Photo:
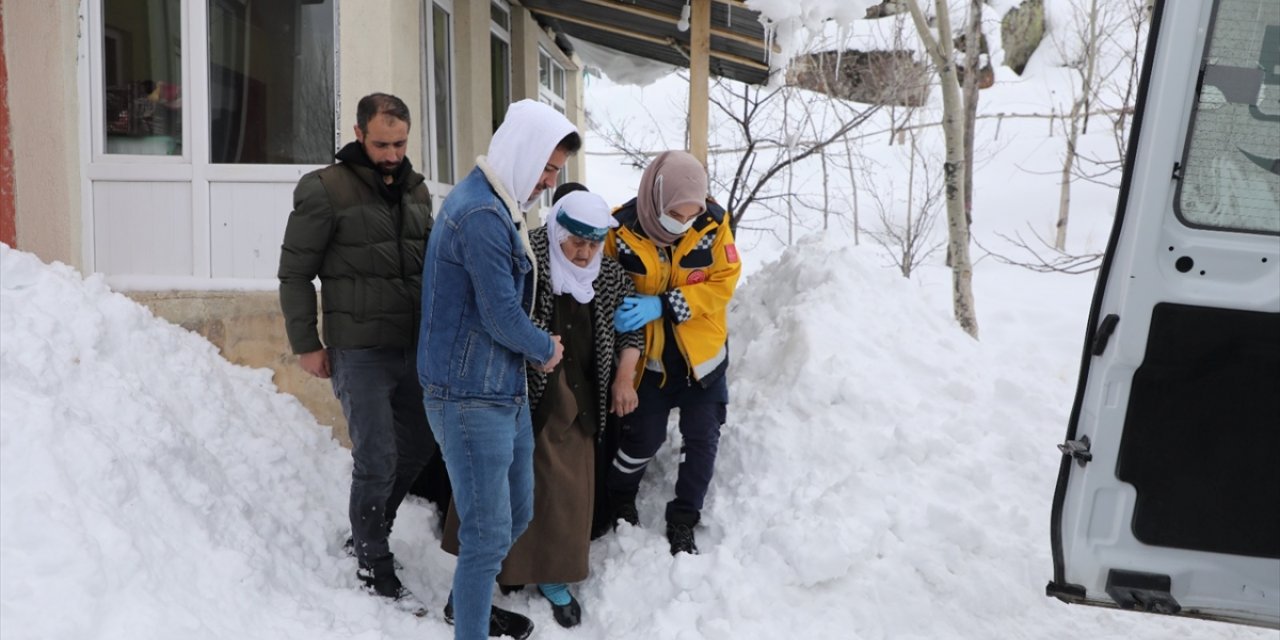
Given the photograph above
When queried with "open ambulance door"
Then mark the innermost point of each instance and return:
(1168, 494)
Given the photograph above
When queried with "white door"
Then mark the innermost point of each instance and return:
(1168, 489)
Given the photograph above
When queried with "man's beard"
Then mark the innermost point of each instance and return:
(388, 169)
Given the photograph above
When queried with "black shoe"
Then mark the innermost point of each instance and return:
(508, 589)
(501, 622)
(349, 548)
(389, 587)
(625, 510)
(681, 538)
(567, 615)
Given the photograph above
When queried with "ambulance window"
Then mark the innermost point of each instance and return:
(1231, 173)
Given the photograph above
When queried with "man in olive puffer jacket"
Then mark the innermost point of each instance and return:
(361, 225)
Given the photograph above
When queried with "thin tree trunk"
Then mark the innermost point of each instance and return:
(972, 62)
(911, 192)
(1079, 123)
(1092, 45)
(943, 53)
(786, 137)
(1064, 188)
(853, 188)
(826, 193)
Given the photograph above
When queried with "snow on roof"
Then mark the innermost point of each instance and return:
(794, 24)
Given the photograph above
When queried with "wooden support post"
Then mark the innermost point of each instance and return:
(699, 77)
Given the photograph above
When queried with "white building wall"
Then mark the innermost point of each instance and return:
(380, 50)
(44, 110)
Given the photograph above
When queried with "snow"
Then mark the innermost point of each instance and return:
(620, 67)
(793, 24)
(881, 476)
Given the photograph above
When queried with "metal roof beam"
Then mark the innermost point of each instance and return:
(644, 37)
(672, 20)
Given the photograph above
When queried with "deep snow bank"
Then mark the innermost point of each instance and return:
(150, 488)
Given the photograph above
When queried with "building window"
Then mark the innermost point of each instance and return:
(271, 77)
(551, 88)
(439, 91)
(550, 81)
(142, 76)
(499, 59)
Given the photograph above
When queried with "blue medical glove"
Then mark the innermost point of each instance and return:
(635, 312)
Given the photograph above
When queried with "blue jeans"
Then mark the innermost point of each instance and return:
(390, 442)
(488, 450)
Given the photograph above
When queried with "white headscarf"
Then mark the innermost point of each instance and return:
(567, 277)
(518, 153)
(521, 147)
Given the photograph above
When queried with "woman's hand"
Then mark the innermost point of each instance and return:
(625, 399)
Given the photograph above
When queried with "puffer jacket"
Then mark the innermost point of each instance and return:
(695, 279)
(366, 250)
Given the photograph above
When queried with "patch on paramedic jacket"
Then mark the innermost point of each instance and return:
(696, 277)
(627, 257)
(731, 253)
(679, 306)
(697, 259)
(632, 263)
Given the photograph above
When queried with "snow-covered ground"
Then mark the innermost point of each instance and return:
(882, 475)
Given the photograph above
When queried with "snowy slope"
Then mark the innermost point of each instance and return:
(150, 489)
(881, 476)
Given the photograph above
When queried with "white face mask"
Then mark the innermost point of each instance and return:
(673, 226)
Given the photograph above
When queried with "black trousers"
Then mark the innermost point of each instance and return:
(390, 441)
(642, 433)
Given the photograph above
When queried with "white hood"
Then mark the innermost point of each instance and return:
(521, 147)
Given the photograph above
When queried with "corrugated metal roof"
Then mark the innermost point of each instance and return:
(647, 28)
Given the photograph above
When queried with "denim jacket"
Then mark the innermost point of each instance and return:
(476, 333)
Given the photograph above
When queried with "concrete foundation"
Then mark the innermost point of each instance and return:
(248, 329)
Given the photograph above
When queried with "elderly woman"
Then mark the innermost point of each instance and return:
(578, 294)
(675, 243)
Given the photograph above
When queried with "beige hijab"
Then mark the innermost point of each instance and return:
(672, 179)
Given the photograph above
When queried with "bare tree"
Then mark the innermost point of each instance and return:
(1117, 101)
(906, 228)
(941, 49)
(766, 150)
(1094, 26)
(1046, 259)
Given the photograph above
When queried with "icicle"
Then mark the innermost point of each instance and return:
(768, 42)
(840, 37)
(730, 20)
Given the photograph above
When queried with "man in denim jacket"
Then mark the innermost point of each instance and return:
(475, 340)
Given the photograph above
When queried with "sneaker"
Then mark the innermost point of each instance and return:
(501, 622)
(389, 587)
(349, 548)
(681, 538)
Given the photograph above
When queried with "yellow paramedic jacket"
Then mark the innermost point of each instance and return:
(695, 279)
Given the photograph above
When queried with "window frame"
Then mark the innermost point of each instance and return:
(547, 95)
(98, 91)
(209, 243)
(1205, 58)
(436, 183)
(546, 92)
(503, 34)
